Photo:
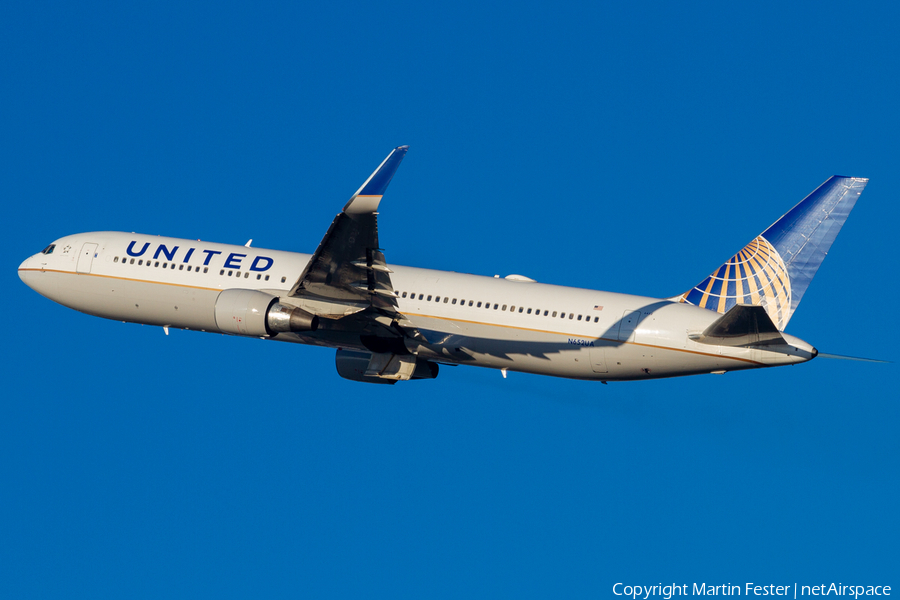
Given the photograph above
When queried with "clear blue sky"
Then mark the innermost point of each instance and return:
(628, 147)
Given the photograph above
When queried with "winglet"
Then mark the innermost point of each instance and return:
(367, 197)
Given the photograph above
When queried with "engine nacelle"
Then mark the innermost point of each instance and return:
(358, 366)
(250, 312)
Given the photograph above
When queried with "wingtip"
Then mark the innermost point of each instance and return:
(375, 186)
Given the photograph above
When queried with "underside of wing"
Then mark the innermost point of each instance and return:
(348, 265)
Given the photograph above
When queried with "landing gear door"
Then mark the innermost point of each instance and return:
(86, 257)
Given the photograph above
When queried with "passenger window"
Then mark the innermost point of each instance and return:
(429, 297)
(206, 270)
(132, 262)
(571, 316)
(173, 266)
(180, 267)
(521, 308)
(437, 298)
(546, 311)
(511, 308)
(116, 259)
(156, 264)
(403, 295)
(579, 317)
(554, 313)
(421, 296)
(230, 272)
(258, 276)
(283, 279)
(454, 301)
(529, 311)
(189, 267)
(222, 272)
(140, 262)
(446, 298)
(165, 265)
(472, 302)
(267, 277)
(247, 274)
(479, 304)
(596, 319)
(504, 306)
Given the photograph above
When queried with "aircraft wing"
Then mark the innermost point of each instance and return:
(348, 264)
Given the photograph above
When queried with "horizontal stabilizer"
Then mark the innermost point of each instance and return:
(743, 325)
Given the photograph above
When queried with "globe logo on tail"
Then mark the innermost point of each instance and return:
(756, 275)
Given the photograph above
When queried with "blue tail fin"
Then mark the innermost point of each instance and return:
(775, 269)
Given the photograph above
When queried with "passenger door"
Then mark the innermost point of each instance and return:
(628, 324)
(86, 258)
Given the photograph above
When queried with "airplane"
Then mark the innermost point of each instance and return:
(391, 323)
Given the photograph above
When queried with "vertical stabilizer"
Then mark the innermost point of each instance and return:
(775, 268)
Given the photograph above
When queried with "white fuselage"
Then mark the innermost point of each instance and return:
(519, 325)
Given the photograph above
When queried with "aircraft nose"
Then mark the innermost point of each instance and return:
(33, 274)
(24, 272)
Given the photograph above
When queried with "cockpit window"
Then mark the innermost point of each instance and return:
(48, 249)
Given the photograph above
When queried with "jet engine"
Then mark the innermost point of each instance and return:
(254, 313)
(371, 367)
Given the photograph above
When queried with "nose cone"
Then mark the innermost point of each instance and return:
(32, 274)
(24, 273)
